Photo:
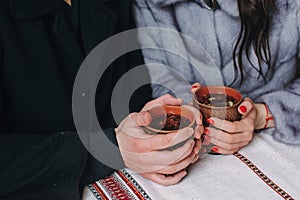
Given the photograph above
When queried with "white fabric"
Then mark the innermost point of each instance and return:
(226, 177)
(87, 194)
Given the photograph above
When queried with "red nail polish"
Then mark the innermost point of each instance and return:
(210, 121)
(215, 149)
(206, 131)
(243, 109)
(194, 86)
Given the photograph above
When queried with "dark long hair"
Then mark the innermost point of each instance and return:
(256, 17)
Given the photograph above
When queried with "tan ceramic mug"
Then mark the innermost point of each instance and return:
(217, 101)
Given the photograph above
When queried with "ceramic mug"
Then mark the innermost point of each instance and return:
(218, 101)
(168, 119)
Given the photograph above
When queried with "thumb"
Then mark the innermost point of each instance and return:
(134, 120)
(195, 87)
(246, 106)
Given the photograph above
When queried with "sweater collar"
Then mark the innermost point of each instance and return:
(230, 7)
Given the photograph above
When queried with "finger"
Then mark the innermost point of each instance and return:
(171, 169)
(165, 180)
(206, 140)
(131, 128)
(141, 142)
(166, 99)
(134, 120)
(198, 131)
(166, 157)
(246, 106)
(226, 146)
(222, 124)
(229, 138)
(220, 150)
(155, 160)
(195, 159)
(198, 115)
(197, 146)
(176, 155)
(228, 126)
(195, 87)
(162, 141)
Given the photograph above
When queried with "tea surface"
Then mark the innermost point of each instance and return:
(169, 122)
(218, 100)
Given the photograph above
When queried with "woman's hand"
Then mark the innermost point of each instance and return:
(228, 137)
(143, 154)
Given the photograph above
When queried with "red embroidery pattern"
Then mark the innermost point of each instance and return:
(119, 186)
(97, 191)
(132, 187)
(263, 177)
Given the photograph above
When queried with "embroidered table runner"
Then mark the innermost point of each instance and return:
(265, 169)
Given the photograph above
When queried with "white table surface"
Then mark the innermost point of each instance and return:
(225, 177)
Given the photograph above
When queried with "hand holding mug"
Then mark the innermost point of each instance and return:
(228, 137)
(229, 127)
(143, 152)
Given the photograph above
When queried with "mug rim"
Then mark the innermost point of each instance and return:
(195, 99)
(192, 122)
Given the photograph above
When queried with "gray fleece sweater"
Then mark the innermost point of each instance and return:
(203, 53)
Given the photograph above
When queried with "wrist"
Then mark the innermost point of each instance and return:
(264, 118)
(260, 116)
(269, 118)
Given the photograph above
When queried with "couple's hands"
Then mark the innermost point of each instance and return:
(143, 154)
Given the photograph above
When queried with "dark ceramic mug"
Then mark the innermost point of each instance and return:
(168, 119)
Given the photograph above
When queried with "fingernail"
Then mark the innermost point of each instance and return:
(194, 86)
(215, 149)
(206, 131)
(243, 109)
(210, 121)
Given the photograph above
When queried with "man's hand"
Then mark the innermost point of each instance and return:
(143, 154)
